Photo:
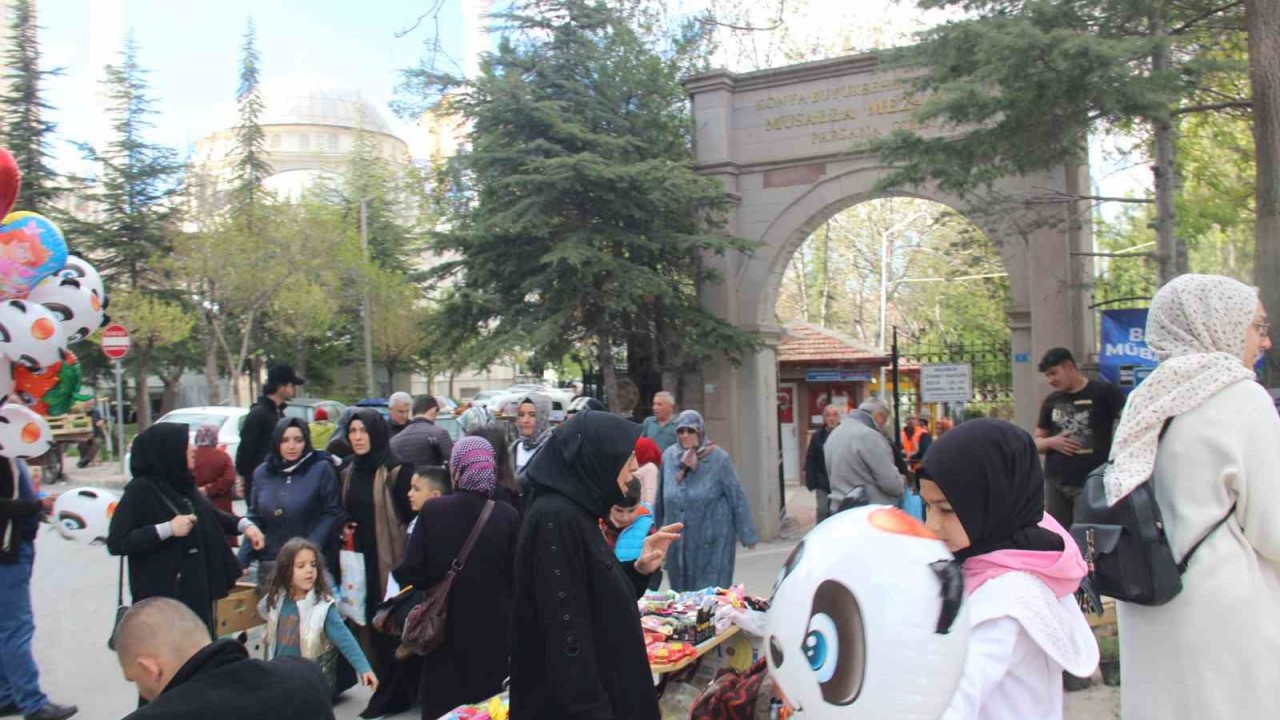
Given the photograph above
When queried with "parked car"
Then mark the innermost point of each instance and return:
(305, 408)
(228, 419)
(485, 397)
(450, 423)
(379, 404)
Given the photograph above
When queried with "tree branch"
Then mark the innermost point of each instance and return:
(1231, 105)
(1204, 16)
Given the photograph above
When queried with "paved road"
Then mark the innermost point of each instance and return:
(74, 594)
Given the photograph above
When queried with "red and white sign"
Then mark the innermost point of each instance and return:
(115, 341)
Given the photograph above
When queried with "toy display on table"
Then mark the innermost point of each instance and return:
(675, 624)
(495, 708)
(49, 299)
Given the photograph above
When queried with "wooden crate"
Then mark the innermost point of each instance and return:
(237, 612)
(1104, 625)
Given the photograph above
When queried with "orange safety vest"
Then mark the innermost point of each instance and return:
(911, 444)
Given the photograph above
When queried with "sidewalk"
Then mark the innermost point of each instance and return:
(104, 475)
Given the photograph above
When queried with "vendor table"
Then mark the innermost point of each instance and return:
(702, 649)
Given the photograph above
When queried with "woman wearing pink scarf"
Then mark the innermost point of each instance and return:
(984, 490)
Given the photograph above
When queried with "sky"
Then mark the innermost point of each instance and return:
(192, 51)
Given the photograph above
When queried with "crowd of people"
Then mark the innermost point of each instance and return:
(546, 536)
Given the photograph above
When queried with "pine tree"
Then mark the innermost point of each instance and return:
(251, 166)
(136, 184)
(24, 129)
(586, 217)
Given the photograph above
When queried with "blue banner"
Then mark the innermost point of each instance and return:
(1125, 359)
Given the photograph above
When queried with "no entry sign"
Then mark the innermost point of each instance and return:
(115, 341)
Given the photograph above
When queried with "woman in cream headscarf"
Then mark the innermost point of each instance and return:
(1212, 651)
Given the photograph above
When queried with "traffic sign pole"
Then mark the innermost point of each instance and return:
(120, 417)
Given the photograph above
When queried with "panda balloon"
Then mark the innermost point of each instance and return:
(84, 515)
(23, 433)
(76, 305)
(79, 269)
(30, 334)
(867, 620)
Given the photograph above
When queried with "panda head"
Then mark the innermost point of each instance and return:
(79, 269)
(23, 433)
(77, 307)
(30, 334)
(867, 620)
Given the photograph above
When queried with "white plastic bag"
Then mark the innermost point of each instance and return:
(352, 592)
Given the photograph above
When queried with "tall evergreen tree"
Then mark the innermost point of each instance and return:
(136, 184)
(23, 127)
(251, 165)
(586, 219)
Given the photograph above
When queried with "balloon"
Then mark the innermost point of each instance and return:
(30, 335)
(84, 515)
(23, 433)
(32, 386)
(6, 379)
(868, 620)
(10, 182)
(77, 268)
(77, 307)
(31, 249)
(66, 392)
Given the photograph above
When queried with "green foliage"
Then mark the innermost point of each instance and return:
(1030, 79)
(137, 183)
(578, 210)
(23, 127)
(251, 166)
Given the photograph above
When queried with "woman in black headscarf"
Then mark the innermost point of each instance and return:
(578, 650)
(173, 536)
(375, 498)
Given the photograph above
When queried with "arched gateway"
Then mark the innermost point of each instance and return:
(790, 146)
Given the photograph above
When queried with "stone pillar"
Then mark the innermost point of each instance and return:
(1026, 400)
(1052, 297)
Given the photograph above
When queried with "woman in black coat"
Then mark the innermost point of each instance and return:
(174, 537)
(578, 650)
(472, 663)
(295, 494)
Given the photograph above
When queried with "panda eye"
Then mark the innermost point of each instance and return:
(62, 312)
(822, 646)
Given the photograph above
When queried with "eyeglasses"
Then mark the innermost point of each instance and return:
(1263, 328)
(686, 431)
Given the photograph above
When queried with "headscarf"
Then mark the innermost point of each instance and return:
(689, 459)
(160, 455)
(542, 424)
(275, 460)
(647, 452)
(474, 418)
(474, 465)
(990, 472)
(1196, 326)
(338, 444)
(582, 458)
(207, 435)
(379, 440)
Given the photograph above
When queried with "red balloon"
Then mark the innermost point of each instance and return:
(10, 182)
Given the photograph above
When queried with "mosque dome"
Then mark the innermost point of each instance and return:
(290, 102)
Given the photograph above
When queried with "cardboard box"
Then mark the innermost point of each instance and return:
(236, 612)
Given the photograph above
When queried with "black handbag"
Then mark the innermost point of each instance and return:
(1125, 545)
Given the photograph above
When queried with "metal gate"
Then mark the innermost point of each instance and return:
(992, 369)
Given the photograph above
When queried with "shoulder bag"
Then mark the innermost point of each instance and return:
(424, 629)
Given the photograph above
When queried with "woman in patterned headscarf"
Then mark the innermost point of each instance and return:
(533, 426)
(215, 472)
(472, 663)
(1217, 460)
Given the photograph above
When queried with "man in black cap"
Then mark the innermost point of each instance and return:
(255, 435)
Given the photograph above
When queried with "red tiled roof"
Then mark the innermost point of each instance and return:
(807, 343)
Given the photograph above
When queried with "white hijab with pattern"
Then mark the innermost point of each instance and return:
(1196, 326)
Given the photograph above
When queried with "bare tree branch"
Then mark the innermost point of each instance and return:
(1231, 105)
(1204, 16)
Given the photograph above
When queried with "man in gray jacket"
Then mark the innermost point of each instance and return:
(859, 455)
(422, 442)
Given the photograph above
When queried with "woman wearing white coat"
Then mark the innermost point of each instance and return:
(1214, 650)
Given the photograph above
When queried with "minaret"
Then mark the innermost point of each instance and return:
(475, 24)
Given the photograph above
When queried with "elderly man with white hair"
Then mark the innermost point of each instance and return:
(661, 426)
(400, 409)
(858, 455)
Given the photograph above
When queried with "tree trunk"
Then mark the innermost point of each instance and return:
(141, 396)
(803, 275)
(172, 384)
(1167, 252)
(211, 363)
(608, 373)
(825, 307)
(1264, 75)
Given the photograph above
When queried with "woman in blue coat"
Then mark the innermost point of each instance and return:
(700, 488)
(295, 494)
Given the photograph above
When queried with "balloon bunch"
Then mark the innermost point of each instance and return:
(49, 299)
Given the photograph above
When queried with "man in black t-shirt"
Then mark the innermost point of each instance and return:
(1074, 432)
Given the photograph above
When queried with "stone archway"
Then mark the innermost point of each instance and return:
(791, 147)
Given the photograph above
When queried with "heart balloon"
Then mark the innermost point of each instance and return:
(10, 182)
(31, 249)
